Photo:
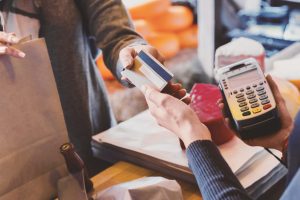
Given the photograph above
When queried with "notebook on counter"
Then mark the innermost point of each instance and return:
(141, 141)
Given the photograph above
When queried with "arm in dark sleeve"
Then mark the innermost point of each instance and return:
(109, 23)
(292, 192)
(293, 156)
(214, 177)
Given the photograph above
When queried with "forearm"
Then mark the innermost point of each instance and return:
(214, 177)
(109, 23)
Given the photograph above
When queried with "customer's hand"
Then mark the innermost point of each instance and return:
(6, 40)
(175, 116)
(127, 56)
(275, 140)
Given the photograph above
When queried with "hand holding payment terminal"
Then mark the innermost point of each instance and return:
(248, 99)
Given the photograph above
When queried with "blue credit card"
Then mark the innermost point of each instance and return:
(147, 70)
(163, 73)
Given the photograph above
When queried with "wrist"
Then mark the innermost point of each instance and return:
(193, 132)
(283, 142)
(284, 151)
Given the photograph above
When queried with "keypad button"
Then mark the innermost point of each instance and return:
(254, 105)
(242, 90)
(266, 101)
(251, 96)
(243, 104)
(226, 88)
(264, 96)
(261, 83)
(253, 100)
(239, 95)
(256, 110)
(248, 87)
(261, 92)
(246, 113)
(259, 88)
(254, 85)
(243, 109)
(249, 92)
(235, 91)
(267, 106)
(241, 100)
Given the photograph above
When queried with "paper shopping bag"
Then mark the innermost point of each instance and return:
(32, 125)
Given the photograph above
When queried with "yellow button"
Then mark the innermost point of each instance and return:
(256, 110)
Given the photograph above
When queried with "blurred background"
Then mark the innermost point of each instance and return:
(188, 33)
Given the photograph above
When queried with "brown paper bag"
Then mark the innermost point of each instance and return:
(32, 125)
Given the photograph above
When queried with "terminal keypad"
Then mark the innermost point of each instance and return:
(247, 99)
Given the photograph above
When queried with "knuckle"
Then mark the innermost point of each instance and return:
(122, 52)
(149, 94)
(181, 116)
(164, 102)
(152, 50)
(7, 50)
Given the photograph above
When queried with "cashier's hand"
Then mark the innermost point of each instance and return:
(278, 139)
(6, 40)
(176, 116)
(127, 56)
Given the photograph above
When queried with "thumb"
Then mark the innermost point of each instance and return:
(153, 96)
(127, 57)
(147, 90)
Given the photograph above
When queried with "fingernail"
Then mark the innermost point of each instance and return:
(14, 39)
(21, 54)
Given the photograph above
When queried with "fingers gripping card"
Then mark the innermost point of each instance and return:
(148, 71)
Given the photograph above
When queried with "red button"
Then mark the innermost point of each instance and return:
(267, 106)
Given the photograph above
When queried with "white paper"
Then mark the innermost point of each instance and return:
(147, 188)
(142, 134)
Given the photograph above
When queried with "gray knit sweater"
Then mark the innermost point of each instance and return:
(66, 25)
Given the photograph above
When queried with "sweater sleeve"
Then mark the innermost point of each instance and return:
(293, 157)
(214, 177)
(109, 23)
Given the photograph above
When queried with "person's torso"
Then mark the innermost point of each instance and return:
(20, 17)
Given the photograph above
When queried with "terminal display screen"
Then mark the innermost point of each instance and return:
(243, 78)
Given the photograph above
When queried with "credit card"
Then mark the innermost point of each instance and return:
(148, 71)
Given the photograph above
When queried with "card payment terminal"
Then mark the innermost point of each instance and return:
(248, 99)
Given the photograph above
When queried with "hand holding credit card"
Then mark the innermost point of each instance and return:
(148, 71)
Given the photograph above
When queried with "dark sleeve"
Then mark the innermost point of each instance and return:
(292, 192)
(294, 149)
(214, 177)
(109, 22)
